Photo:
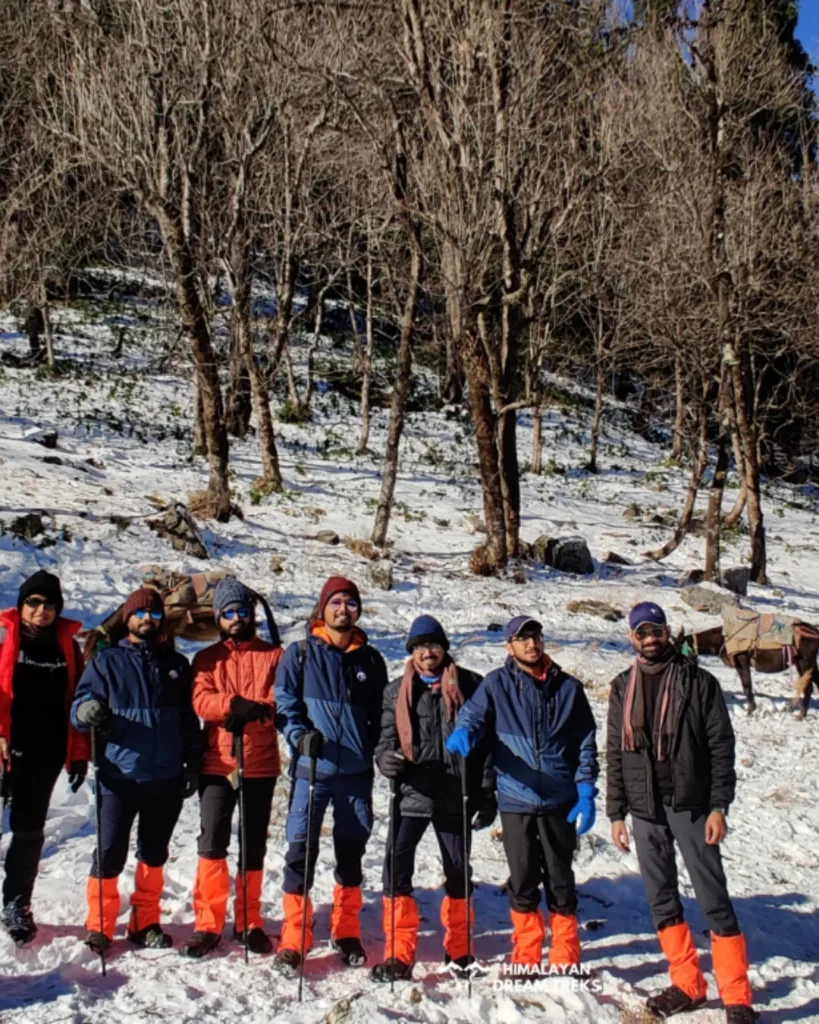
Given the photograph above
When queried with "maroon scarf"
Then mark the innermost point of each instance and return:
(450, 693)
(634, 731)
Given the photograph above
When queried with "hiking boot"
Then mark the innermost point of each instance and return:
(199, 945)
(672, 1000)
(287, 962)
(391, 970)
(151, 937)
(19, 923)
(97, 942)
(740, 1014)
(256, 941)
(350, 951)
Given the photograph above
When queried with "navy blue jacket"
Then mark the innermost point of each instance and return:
(543, 736)
(319, 686)
(153, 732)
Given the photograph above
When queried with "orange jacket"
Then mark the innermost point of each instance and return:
(78, 746)
(220, 672)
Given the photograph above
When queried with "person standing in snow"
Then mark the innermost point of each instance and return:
(329, 690)
(545, 758)
(138, 694)
(417, 719)
(40, 663)
(233, 695)
(670, 755)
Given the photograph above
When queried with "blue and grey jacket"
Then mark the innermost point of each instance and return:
(153, 731)
(543, 736)
(319, 686)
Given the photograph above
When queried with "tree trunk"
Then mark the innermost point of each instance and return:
(596, 419)
(367, 364)
(453, 389)
(537, 441)
(713, 519)
(510, 479)
(679, 412)
(197, 329)
(35, 325)
(238, 391)
(200, 444)
(398, 406)
(49, 333)
(292, 388)
(733, 517)
(743, 392)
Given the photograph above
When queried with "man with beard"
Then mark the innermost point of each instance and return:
(545, 753)
(39, 667)
(418, 716)
(329, 690)
(233, 694)
(670, 755)
(139, 694)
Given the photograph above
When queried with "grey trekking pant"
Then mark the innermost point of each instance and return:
(654, 841)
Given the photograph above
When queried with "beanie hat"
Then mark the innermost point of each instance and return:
(145, 598)
(426, 630)
(646, 612)
(45, 584)
(337, 585)
(230, 591)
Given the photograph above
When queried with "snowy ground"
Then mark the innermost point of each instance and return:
(125, 435)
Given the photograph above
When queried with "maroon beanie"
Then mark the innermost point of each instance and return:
(146, 598)
(337, 585)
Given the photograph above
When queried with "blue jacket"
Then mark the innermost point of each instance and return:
(543, 736)
(319, 686)
(153, 732)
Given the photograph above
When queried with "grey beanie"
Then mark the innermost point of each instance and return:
(230, 591)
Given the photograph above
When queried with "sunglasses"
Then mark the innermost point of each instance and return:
(653, 632)
(338, 603)
(38, 602)
(235, 613)
(143, 613)
(523, 638)
(429, 648)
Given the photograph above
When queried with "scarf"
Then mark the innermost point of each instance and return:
(450, 693)
(633, 735)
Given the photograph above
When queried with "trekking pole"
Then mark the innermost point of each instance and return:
(98, 820)
(239, 748)
(467, 894)
(393, 788)
(305, 891)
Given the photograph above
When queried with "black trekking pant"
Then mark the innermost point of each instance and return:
(539, 850)
(654, 842)
(31, 783)
(217, 802)
(408, 834)
(155, 804)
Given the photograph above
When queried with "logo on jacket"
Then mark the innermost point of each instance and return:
(361, 675)
(173, 674)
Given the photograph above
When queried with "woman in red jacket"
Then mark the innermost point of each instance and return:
(233, 695)
(40, 663)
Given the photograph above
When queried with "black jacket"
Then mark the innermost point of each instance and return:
(701, 754)
(431, 782)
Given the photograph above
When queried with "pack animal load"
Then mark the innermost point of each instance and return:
(746, 630)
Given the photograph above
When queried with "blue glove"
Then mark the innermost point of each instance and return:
(459, 742)
(583, 811)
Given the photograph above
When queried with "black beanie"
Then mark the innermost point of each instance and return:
(45, 584)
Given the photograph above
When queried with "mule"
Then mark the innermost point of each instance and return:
(777, 659)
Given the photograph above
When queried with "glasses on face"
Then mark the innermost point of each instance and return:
(143, 613)
(236, 613)
(650, 632)
(339, 603)
(38, 602)
(429, 648)
(524, 638)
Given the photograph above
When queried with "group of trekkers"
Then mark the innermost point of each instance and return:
(521, 741)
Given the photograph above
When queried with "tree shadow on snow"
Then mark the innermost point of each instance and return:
(29, 989)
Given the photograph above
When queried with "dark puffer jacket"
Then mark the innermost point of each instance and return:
(701, 753)
(431, 783)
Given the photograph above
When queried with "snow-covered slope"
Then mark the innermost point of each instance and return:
(124, 435)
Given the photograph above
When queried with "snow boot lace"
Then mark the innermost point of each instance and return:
(199, 945)
(287, 962)
(151, 937)
(390, 970)
(351, 952)
(672, 1000)
(19, 922)
(255, 939)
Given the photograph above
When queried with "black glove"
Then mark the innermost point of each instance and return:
(243, 711)
(391, 764)
(94, 713)
(77, 771)
(190, 781)
(310, 743)
(486, 809)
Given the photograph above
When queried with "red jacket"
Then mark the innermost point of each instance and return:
(78, 746)
(220, 672)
